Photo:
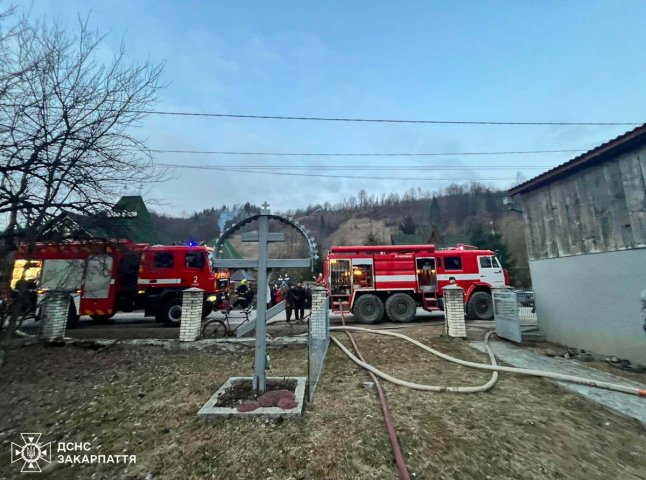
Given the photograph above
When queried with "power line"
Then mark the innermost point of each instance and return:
(377, 120)
(343, 154)
(315, 175)
(384, 167)
(342, 119)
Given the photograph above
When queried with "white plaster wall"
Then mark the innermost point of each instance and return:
(592, 302)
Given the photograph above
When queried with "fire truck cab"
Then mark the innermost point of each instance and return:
(105, 277)
(393, 280)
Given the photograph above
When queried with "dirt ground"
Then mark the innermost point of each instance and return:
(143, 401)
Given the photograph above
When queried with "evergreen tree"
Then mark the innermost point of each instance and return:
(491, 241)
(408, 225)
(371, 239)
(435, 213)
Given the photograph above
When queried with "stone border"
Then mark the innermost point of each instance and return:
(209, 412)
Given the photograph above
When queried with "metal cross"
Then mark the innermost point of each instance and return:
(263, 237)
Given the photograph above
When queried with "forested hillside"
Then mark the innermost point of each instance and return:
(469, 213)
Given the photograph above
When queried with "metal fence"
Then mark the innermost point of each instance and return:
(526, 307)
(318, 339)
(505, 310)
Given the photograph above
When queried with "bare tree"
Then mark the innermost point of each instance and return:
(67, 126)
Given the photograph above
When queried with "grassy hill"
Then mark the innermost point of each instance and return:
(470, 213)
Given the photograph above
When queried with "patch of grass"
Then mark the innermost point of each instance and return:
(143, 401)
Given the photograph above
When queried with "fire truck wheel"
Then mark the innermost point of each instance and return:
(480, 306)
(368, 309)
(401, 308)
(170, 314)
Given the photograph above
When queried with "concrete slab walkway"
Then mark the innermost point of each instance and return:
(624, 404)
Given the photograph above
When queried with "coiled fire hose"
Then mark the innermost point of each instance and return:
(482, 366)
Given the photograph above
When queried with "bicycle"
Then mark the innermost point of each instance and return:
(221, 327)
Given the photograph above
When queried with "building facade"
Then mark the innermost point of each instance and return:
(586, 238)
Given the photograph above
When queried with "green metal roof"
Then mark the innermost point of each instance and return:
(421, 237)
(129, 219)
(228, 251)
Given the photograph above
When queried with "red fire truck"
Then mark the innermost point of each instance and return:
(121, 276)
(395, 279)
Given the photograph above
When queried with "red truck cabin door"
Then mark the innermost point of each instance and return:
(193, 269)
(490, 270)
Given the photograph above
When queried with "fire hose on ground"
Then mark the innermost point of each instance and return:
(375, 374)
(481, 366)
(400, 463)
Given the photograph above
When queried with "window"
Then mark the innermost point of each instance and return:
(362, 275)
(452, 263)
(494, 262)
(194, 260)
(164, 260)
(485, 262)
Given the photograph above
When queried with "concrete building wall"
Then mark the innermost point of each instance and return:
(592, 302)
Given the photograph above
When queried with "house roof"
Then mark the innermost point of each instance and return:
(452, 240)
(603, 152)
(128, 219)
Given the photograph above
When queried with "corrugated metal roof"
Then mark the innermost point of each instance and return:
(598, 154)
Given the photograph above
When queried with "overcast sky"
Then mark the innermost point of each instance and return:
(503, 61)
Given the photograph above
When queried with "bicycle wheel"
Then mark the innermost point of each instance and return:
(214, 329)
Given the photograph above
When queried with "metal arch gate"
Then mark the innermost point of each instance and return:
(286, 220)
(262, 263)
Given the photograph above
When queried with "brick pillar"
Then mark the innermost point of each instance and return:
(318, 297)
(454, 311)
(53, 316)
(192, 304)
